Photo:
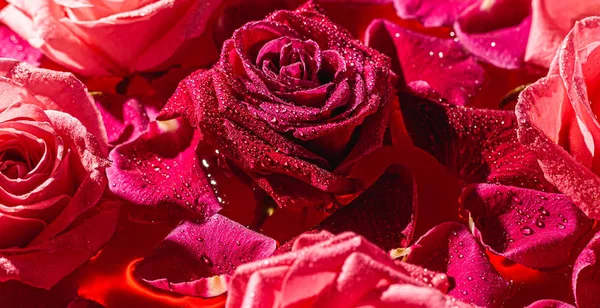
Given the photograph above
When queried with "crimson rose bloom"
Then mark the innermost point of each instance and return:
(294, 101)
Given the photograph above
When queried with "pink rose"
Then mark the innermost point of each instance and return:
(345, 270)
(558, 121)
(550, 23)
(117, 37)
(52, 158)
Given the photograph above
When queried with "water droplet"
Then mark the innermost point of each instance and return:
(560, 226)
(544, 212)
(526, 231)
(493, 44)
(540, 223)
(206, 260)
(238, 243)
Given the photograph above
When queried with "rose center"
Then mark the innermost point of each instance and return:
(14, 165)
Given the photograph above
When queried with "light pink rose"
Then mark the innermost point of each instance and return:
(117, 37)
(53, 153)
(345, 270)
(551, 21)
(558, 117)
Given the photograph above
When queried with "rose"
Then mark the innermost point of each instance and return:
(293, 102)
(96, 37)
(346, 270)
(557, 118)
(52, 157)
(550, 23)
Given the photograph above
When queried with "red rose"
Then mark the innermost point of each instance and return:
(293, 102)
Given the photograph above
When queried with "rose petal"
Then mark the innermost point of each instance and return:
(51, 90)
(550, 303)
(13, 46)
(496, 31)
(551, 22)
(84, 303)
(125, 118)
(198, 259)
(530, 227)
(161, 170)
(384, 214)
(450, 248)
(43, 265)
(441, 64)
(432, 13)
(479, 145)
(539, 112)
(585, 275)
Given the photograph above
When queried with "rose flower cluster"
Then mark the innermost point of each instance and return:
(299, 153)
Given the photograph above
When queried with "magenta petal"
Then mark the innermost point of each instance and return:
(13, 46)
(125, 118)
(450, 248)
(550, 303)
(197, 259)
(441, 64)
(160, 169)
(479, 145)
(585, 275)
(496, 31)
(533, 228)
(432, 13)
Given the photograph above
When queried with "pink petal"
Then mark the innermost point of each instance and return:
(551, 22)
(44, 264)
(450, 248)
(478, 145)
(13, 46)
(52, 91)
(533, 228)
(585, 275)
(162, 171)
(197, 259)
(432, 13)
(426, 61)
(496, 31)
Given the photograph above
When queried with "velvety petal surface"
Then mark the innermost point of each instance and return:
(44, 264)
(384, 214)
(125, 118)
(322, 270)
(549, 303)
(585, 275)
(479, 145)
(450, 248)
(426, 63)
(197, 259)
(533, 228)
(496, 31)
(161, 170)
(434, 13)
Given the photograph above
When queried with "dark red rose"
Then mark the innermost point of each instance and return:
(294, 102)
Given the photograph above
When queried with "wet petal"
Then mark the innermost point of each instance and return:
(125, 118)
(432, 13)
(496, 31)
(160, 169)
(44, 264)
(450, 248)
(585, 275)
(13, 46)
(533, 228)
(429, 62)
(479, 145)
(197, 259)
(384, 214)
(550, 303)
